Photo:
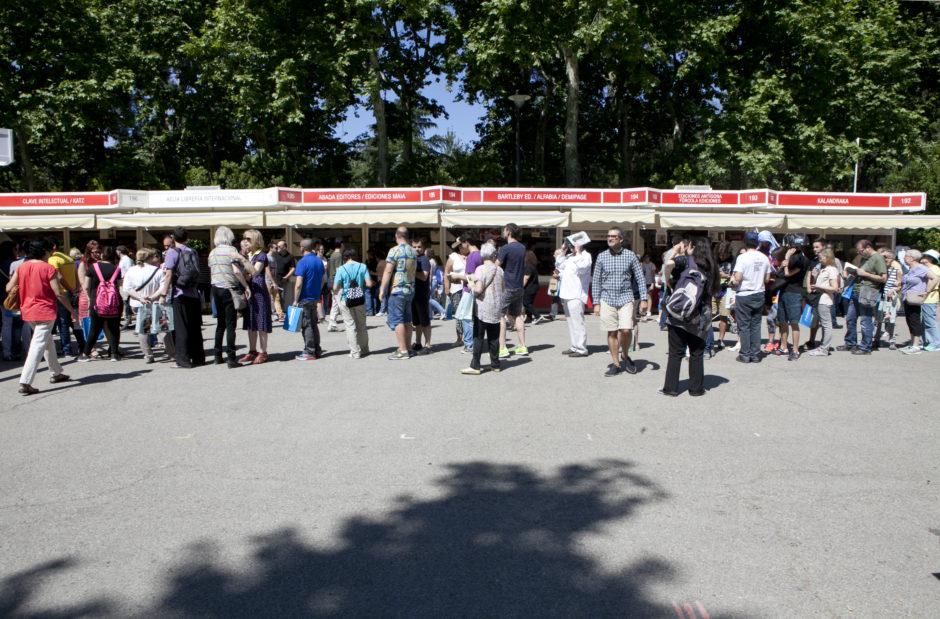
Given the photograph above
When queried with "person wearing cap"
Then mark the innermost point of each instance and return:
(928, 311)
(749, 279)
(574, 269)
(616, 270)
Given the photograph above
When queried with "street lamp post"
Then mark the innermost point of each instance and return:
(519, 100)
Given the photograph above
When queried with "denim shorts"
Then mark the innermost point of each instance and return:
(789, 308)
(399, 309)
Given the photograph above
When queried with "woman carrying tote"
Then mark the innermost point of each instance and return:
(39, 287)
(914, 286)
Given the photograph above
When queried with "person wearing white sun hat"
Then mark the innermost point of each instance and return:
(931, 259)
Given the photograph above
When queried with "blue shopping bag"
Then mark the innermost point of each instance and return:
(292, 319)
(86, 328)
(847, 294)
(807, 318)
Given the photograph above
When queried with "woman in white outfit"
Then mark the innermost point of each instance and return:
(140, 281)
(574, 270)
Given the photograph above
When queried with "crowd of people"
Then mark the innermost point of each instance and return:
(489, 285)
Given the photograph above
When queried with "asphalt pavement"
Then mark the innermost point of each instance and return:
(371, 488)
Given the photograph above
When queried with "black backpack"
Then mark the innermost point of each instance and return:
(686, 298)
(186, 273)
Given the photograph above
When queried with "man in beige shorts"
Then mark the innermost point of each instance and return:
(618, 278)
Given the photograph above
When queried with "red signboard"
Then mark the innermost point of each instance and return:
(908, 200)
(834, 200)
(635, 196)
(700, 198)
(290, 195)
(452, 195)
(431, 195)
(362, 196)
(753, 197)
(535, 196)
(58, 199)
(612, 197)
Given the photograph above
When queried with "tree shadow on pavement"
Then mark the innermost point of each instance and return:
(502, 541)
(17, 591)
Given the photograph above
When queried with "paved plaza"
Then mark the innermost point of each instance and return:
(376, 488)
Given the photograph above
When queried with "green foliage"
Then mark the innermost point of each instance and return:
(248, 93)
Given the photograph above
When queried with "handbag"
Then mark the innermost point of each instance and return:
(86, 328)
(355, 295)
(868, 296)
(292, 319)
(12, 302)
(465, 309)
(915, 298)
(238, 299)
(806, 318)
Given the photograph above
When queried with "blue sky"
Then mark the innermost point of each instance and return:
(462, 119)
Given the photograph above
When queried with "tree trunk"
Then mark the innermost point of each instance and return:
(542, 129)
(381, 124)
(407, 138)
(25, 162)
(572, 165)
(626, 146)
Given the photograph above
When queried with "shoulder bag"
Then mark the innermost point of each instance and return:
(868, 296)
(915, 298)
(355, 295)
(12, 302)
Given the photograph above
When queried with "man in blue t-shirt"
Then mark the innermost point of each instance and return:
(512, 260)
(308, 287)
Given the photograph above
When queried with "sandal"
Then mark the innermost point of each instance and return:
(248, 358)
(59, 378)
(261, 358)
(27, 389)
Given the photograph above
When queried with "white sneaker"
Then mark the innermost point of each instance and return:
(736, 347)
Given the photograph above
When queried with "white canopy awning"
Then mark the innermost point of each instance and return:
(482, 219)
(724, 221)
(612, 216)
(861, 222)
(370, 217)
(46, 222)
(166, 221)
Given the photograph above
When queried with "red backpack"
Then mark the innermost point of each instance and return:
(107, 299)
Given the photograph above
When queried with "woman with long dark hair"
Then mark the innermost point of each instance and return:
(691, 333)
(102, 269)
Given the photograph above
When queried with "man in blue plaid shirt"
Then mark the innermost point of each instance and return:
(618, 276)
